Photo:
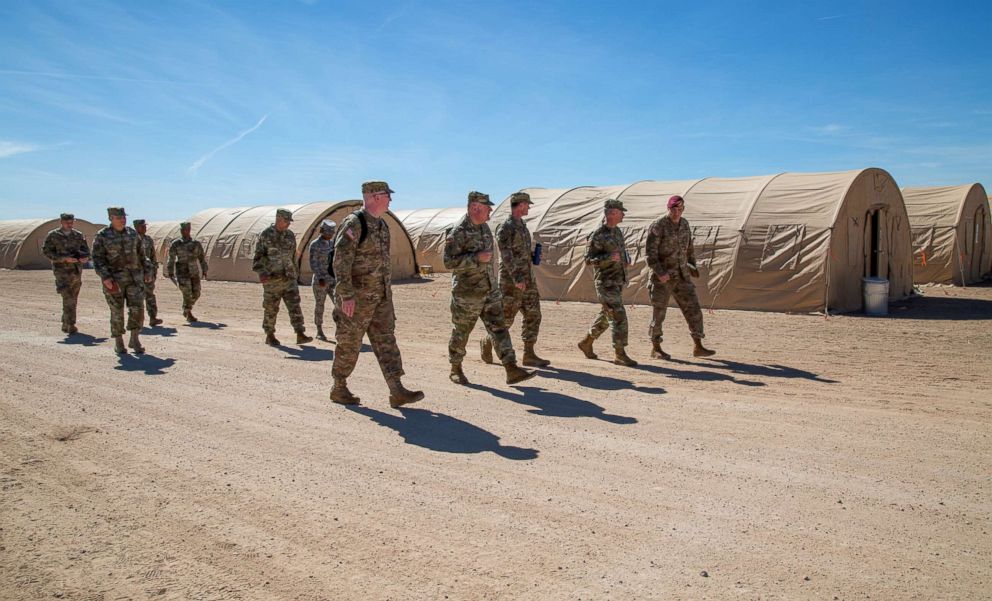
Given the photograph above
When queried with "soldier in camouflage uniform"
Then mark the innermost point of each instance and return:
(516, 280)
(66, 248)
(468, 251)
(148, 248)
(275, 264)
(363, 298)
(673, 263)
(186, 266)
(124, 271)
(607, 253)
(321, 251)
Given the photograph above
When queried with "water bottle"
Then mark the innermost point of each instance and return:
(536, 257)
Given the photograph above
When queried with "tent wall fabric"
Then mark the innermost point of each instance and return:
(427, 231)
(229, 235)
(21, 241)
(792, 242)
(952, 234)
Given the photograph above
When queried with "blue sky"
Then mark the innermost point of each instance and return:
(172, 107)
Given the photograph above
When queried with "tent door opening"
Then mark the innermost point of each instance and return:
(873, 244)
(978, 249)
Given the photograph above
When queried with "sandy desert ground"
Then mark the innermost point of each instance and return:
(813, 458)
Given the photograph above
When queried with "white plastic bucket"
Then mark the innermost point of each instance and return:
(876, 296)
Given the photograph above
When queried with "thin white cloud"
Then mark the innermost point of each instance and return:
(9, 149)
(831, 129)
(200, 161)
(832, 17)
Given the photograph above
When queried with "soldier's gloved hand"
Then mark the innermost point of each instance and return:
(322, 283)
(484, 256)
(149, 279)
(111, 286)
(664, 278)
(348, 307)
(693, 270)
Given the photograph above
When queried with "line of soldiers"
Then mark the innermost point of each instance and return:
(353, 267)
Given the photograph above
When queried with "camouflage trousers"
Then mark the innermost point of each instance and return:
(275, 290)
(465, 311)
(130, 292)
(613, 314)
(190, 287)
(526, 301)
(684, 292)
(151, 303)
(320, 296)
(374, 315)
(68, 285)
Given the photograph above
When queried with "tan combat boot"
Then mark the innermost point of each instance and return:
(701, 351)
(530, 357)
(302, 338)
(135, 344)
(188, 314)
(586, 347)
(153, 320)
(620, 357)
(656, 352)
(119, 345)
(271, 340)
(486, 349)
(341, 395)
(72, 330)
(399, 396)
(320, 334)
(515, 375)
(457, 375)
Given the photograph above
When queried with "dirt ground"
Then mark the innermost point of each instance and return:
(813, 458)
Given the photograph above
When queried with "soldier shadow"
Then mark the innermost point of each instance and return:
(159, 331)
(553, 404)
(307, 353)
(588, 380)
(206, 325)
(149, 364)
(82, 340)
(699, 376)
(443, 433)
(771, 370)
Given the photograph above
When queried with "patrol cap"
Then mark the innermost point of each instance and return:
(185, 225)
(67, 217)
(675, 200)
(138, 222)
(327, 225)
(116, 212)
(376, 187)
(519, 198)
(613, 204)
(479, 197)
(284, 214)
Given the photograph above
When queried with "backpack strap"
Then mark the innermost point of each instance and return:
(365, 226)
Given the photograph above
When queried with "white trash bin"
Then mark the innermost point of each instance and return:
(876, 292)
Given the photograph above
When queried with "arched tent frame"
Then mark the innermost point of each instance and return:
(21, 241)
(426, 228)
(791, 242)
(952, 233)
(162, 233)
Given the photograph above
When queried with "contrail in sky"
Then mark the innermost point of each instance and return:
(200, 161)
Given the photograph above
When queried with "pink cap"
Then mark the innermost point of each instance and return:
(675, 200)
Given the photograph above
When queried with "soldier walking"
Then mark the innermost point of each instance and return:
(322, 266)
(186, 266)
(148, 249)
(673, 264)
(363, 298)
(607, 253)
(468, 252)
(66, 248)
(516, 280)
(275, 264)
(124, 271)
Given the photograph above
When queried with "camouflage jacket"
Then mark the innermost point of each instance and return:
(148, 248)
(469, 276)
(515, 252)
(362, 267)
(320, 254)
(185, 256)
(669, 248)
(275, 254)
(116, 253)
(599, 253)
(60, 245)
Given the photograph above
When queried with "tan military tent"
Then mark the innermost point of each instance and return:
(21, 241)
(162, 233)
(795, 242)
(229, 236)
(427, 230)
(952, 236)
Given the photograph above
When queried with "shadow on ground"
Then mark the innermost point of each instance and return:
(82, 340)
(598, 382)
(158, 331)
(443, 433)
(936, 304)
(206, 325)
(307, 353)
(553, 404)
(149, 364)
